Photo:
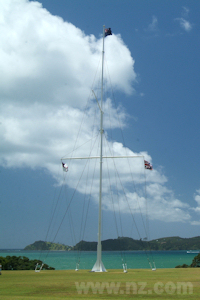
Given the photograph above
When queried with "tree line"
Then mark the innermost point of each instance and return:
(195, 263)
(21, 263)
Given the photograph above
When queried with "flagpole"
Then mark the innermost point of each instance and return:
(99, 267)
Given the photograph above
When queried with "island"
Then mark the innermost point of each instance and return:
(41, 245)
(123, 243)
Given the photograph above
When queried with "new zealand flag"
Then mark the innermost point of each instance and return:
(108, 31)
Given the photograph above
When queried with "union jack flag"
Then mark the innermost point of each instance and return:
(147, 165)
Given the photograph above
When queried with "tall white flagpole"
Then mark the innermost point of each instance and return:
(99, 267)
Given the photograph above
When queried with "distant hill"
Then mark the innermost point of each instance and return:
(41, 245)
(176, 243)
(124, 243)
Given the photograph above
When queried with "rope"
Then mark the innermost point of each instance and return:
(83, 227)
(115, 217)
(145, 227)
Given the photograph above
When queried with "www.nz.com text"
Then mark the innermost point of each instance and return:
(171, 288)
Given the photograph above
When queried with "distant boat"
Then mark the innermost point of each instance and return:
(193, 251)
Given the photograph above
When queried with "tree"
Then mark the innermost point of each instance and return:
(21, 263)
(196, 262)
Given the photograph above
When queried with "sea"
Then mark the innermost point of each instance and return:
(69, 260)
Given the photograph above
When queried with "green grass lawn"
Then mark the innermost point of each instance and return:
(114, 284)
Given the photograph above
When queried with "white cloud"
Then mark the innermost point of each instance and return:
(47, 70)
(185, 12)
(153, 25)
(197, 208)
(46, 79)
(160, 204)
(186, 25)
(195, 223)
(41, 58)
(197, 199)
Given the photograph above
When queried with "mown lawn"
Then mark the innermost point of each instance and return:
(114, 284)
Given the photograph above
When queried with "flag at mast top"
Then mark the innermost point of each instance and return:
(108, 31)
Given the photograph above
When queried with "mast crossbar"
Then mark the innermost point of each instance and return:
(95, 157)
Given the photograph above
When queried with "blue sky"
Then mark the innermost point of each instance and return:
(49, 54)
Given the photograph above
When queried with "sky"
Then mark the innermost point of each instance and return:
(50, 60)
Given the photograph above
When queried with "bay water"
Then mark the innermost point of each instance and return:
(67, 260)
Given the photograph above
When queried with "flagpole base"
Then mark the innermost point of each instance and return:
(99, 267)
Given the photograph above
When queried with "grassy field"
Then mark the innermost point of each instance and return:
(114, 284)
